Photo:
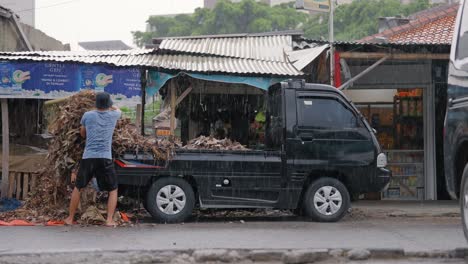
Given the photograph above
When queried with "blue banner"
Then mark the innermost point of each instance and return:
(56, 80)
(158, 79)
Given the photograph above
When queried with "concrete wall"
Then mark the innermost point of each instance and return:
(10, 39)
(24, 8)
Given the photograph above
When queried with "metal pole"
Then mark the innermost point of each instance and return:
(331, 37)
(144, 81)
(172, 87)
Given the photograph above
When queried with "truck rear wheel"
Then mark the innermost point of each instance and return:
(326, 200)
(464, 201)
(170, 200)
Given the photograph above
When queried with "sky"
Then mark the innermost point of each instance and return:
(71, 21)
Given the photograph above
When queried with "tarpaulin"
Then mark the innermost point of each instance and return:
(16, 223)
(158, 79)
(9, 204)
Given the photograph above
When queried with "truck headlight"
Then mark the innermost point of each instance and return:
(381, 160)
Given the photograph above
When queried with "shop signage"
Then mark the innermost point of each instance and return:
(56, 80)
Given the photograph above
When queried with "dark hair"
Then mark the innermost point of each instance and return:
(103, 100)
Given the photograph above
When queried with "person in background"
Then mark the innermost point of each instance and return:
(97, 126)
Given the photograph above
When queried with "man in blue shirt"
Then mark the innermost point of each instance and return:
(97, 126)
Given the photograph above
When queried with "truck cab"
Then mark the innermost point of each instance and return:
(456, 119)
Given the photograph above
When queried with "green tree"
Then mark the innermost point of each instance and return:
(247, 16)
(352, 21)
(360, 18)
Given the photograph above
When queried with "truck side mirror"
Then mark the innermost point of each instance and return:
(374, 131)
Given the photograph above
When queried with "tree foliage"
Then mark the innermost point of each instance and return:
(360, 18)
(352, 21)
(246, 16)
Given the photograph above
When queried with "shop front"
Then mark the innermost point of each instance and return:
(398, 118)
(398, 100)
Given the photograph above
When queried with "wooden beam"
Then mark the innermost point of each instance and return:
(173, 105)
(56, 101)
(366, 71)
(5, 148)
(394, 56)
(183, 95)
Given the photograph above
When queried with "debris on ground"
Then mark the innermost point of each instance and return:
(242, 213)
(50, 199)
(92, 216)
(212, 143)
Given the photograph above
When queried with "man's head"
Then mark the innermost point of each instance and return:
(103, 101)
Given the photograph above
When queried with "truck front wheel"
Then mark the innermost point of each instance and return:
(326, 200)
(464, 201)
(170, 200)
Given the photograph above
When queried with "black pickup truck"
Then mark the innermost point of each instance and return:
(456, 119)
(320, 151)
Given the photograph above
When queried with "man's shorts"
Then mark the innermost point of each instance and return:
(102, 169)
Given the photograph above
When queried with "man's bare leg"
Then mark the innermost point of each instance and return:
(111, 205)
(75, 200)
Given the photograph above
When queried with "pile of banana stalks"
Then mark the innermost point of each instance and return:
(50, 199)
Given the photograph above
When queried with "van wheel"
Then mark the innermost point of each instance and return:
(170, 200)
(326, 200)
(464, 201)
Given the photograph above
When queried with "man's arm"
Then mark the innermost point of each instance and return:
(83, 131)
(116, 112)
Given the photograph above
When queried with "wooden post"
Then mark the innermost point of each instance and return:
(25, 185)
(5, 148)
(11, 189)
(173, 106)
(18, 185)
(33, 181)
(138, 116)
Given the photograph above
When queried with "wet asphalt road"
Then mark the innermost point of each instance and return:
(411, 234)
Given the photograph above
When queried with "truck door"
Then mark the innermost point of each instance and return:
(330, 136)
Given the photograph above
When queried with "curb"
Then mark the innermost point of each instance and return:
(289, 256)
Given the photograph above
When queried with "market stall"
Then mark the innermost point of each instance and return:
(30, 78)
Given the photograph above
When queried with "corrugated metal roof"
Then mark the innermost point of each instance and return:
(172, 62)
(228, 65)
(266, 48)
(81, 53)
(104, 45)
(302, 58)
(311, 43)
(236, 35)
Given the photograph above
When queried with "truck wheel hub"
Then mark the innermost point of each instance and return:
(328, 200)
(171, 199)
